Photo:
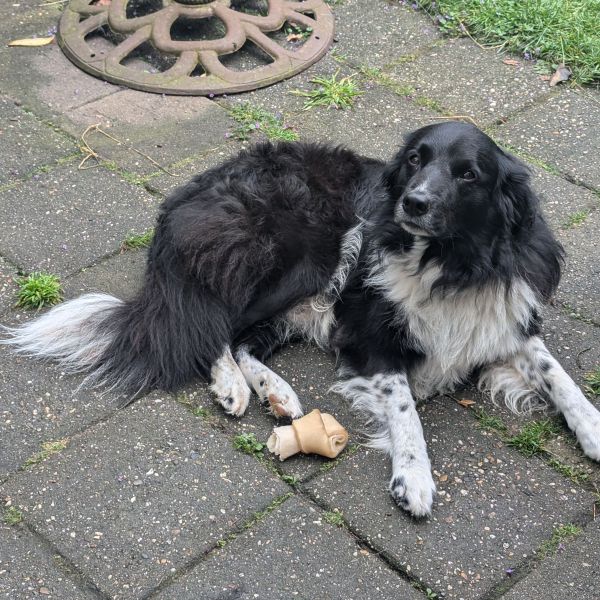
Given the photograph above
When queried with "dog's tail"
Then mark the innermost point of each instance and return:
(163, 338)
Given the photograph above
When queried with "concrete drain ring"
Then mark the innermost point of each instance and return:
(194, 66)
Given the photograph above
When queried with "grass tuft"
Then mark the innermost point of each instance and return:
(576, 219)
(555, 31)
(247, 442)
(593, 382)
(48, 449)
(331, 92)
(12, 515)
(574, 474)
(251, 119)
(531, 439)
(38, 290)
(559, 535)
(490, 422)
(136, 241)
(334, 517)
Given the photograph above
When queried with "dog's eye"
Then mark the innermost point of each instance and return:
(469, 176)
(414, 160)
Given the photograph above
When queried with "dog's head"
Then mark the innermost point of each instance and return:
(450, 179)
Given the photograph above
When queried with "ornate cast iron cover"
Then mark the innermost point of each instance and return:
(195, 47)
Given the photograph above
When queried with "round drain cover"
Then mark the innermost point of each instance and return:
(195, 47)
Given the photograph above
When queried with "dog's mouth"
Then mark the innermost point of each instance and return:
(415, 229)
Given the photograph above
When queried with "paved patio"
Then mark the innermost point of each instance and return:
(152, 500)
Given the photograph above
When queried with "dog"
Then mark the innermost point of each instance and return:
(418, 274)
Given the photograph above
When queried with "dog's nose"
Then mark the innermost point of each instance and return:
(415, 204)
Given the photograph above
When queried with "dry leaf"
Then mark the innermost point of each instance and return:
(443, 478)
(562, 73)
(42, 41)
(466, 402)
(294, 37)
(511, 61)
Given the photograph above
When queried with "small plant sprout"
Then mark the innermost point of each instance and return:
(247, 442)
(12, 515)
(334, 517)
(593, 382)
(331, 92)
(250, 119)
(37, 290)
(135, 241)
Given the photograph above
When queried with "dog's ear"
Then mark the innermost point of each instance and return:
(515, 196)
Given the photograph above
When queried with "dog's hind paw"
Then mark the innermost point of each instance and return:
(588, 436)
(413, 490)
(279, 395)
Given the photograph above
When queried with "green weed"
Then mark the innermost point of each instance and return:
(37, 290)
(572, 473)
(331, 92)
(575, 219)
(593, 382)
(559, 535)
(247, 442)
(490, 422)
(12, 515)
(334, 517)
(136, 241)
(252, 119)
(531, 439)
(48, 449)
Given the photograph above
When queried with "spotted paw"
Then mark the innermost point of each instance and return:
(413, 490)
(230, 387)
(588, 435)
(278, 395)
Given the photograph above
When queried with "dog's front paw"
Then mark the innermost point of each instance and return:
(278, 394)
(413, 490)
(232, 392)
(588, 435)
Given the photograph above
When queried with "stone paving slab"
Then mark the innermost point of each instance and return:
(38, 403)
(580, 285)
(28, 571)
(293, 553)
(563, 132)
(121, 275)
(27, 144)
(494, 507)
(570, 573)
(44, 67)
(142, 494)
(150, 126)
(376, 32)
(8, 287)
(471, 81)
(63, 220)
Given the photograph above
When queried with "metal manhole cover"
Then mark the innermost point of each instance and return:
(195, 47)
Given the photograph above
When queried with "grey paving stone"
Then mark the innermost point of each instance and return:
(8, 287)
(150, 126)
(38, 403)
(580, 285)
(570, 573)
(27, 144)
(28, 571)
(471, 81)
(44, 80)
(289, 555)
(142, 494)
(560, 199)
(120, 275)
(376, 32)
(63, 220)
(374, 127)
(494, 508)
(564, 132)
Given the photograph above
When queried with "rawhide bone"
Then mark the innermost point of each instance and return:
(316, 432)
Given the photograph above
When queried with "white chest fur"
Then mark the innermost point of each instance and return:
(457, 331)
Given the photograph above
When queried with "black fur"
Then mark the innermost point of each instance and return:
(242, 243)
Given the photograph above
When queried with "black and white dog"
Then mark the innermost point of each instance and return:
(417, 274)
